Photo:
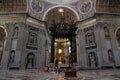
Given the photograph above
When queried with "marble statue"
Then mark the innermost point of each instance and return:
(30, 61)
(106, 32)
(110, 55)
(15, 34)
(11, 58)
(92, 60)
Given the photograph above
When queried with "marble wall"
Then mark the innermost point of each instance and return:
(97, 46)
(26, 46)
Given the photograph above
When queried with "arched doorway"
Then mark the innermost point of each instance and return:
(61, 23)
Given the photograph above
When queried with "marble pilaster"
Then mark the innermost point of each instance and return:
(82, 53)
(97, 30)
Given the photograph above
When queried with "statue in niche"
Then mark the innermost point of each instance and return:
(118, 37)
(92, 59)
(30, 61)
(15, 37)
(110, 55)
(106, 31)
(15, 33)
(11, 58)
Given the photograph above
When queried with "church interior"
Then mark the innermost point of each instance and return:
(59, 39)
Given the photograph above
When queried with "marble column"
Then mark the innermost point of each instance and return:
(52, 48)
(82, 53)
(78, 47)
(73, 48)
(22, 45)
(103, 46)
(40, 56)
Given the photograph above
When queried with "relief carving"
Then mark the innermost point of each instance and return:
(89, 36)
(32, 39)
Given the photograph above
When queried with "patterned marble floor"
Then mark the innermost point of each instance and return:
(110, 74)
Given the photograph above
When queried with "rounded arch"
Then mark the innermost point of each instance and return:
(92, 59)
(1, 26)
(30, 61)
(64, 6)
(3, 34)
(117, 37)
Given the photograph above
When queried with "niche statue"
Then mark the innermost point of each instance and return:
(15, 34)
(106, 31)
(11, 58)
(30, 61)
(110, 55)
(92, 60)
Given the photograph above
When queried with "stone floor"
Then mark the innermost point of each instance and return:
(109, 74)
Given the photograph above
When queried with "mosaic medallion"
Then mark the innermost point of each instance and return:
(36, 6)
(85, 6)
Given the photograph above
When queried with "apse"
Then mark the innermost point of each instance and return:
(57, 13)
